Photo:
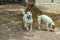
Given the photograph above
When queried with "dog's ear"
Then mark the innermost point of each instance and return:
(23, 11)
(54, 26)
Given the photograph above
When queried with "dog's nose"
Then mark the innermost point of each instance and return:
(29, 15)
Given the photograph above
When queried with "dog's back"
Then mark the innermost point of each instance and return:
(45, 18)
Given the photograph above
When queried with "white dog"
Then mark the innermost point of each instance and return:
(47, 20)
(27, 20)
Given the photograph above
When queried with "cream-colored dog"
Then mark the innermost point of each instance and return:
(47, 20)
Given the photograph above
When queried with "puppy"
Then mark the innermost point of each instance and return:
(27, 20)
(47, 20)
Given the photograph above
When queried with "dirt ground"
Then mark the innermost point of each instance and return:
(11, 28)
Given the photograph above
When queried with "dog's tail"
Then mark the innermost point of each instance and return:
(23, 11)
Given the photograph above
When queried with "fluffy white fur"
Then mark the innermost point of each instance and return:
(27, 19)
(47, 20)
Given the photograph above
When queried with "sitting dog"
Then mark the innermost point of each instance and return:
(47, 20)
(27, 20)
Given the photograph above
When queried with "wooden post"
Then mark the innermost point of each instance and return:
(52, 1)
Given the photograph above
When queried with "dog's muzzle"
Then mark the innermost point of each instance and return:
(29, 17)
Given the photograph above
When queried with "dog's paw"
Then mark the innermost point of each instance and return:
(39, 28)
(27, 29)
(48, 30)
(52, 30)
(31, 29)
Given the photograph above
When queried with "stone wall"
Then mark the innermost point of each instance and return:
(46, 1)
(56, 1)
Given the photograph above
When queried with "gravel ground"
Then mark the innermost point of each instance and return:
(11, 29)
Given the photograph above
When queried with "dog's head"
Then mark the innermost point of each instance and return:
(29, 15)
(53, 25)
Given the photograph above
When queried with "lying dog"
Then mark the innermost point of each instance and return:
(47, 20)
(27, 20)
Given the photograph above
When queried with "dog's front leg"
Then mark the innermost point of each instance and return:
(26, 26)
(52, 28)
(47, 27)
(31, 26)
(39, 21)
